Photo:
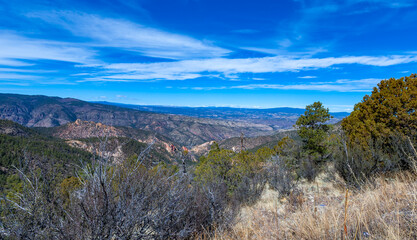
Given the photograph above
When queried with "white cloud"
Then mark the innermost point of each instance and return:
(342, 85)
(15, 49)
(13, 63)
(152, 42)
(14, 76)
(387, 3)
(18, 70)
(132, 77)
(262, 50)
(15, 70)
(209, 88)
(282, 52)
(191, 69)
(307, 77)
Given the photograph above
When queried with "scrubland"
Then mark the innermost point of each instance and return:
(384, 208)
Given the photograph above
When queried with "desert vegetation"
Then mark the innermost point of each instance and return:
(381, 209)
(354, 180)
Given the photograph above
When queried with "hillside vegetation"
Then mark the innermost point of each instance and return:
(25, 149)
(382, 209)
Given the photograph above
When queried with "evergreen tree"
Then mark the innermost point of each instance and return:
(312, 128)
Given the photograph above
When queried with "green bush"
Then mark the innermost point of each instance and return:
(382, 129)
(242, 173)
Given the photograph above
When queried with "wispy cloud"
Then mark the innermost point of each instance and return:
(342, 85)
(313, 6)
(16, 50)
(94, 42)
(18, 70)
(318, 16)
(18, 79)
(13, 63)
(14, 83)
(191, 69)
(282, 52)
(15, 70)
(148, 77)
(307, 77)
(387, 3)
(120, 33)
(13, 76)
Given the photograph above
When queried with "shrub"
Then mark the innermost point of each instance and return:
(381, 131)
(115, 201)
(280, 176)
(241, 173)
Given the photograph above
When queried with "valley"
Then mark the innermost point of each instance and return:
(82, 124)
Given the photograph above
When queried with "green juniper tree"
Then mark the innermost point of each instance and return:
(313, 132)
(312, 128)
(381, 130)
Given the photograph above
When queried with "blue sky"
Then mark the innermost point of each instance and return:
(206, 52)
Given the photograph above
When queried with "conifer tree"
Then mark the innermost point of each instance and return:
(312, 128)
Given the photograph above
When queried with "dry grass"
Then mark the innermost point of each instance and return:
(383, 209)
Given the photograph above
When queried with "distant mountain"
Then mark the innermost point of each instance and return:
(43, 111)
(276, 118)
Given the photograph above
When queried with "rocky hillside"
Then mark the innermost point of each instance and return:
(83, 129)
(116, 143)
(43, 111)
(88, 135)
(118, 149)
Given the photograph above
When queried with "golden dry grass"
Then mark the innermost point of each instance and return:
(383, 209)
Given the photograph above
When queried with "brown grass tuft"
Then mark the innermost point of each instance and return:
(383, 209)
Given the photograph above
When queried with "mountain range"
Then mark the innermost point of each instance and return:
(276, 118)
(181, 126)
(43, 111)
